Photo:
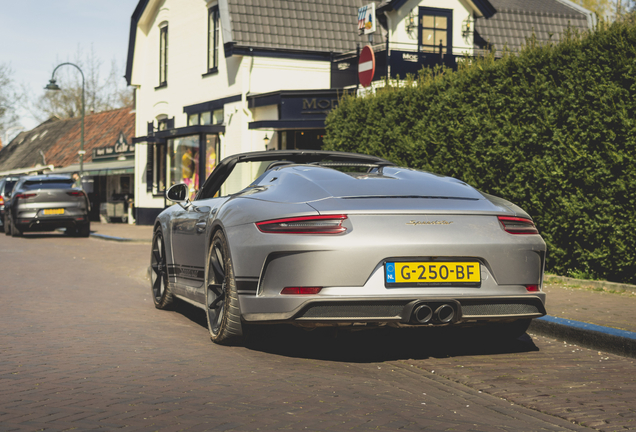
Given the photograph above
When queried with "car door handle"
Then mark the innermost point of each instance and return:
(201, 226)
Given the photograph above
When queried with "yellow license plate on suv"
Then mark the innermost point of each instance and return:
(432, 273)
(53, 211)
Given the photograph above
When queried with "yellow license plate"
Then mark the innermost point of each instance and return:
(53, 211)
(426, 273)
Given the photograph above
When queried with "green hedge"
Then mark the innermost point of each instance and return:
(551, 129)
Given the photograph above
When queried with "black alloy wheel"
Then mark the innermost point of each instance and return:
(161, 293)
(222, 305)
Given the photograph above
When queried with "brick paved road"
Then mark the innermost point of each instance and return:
(83, 348)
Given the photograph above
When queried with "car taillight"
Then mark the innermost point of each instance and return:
(516, 225)
(1, 200)
(24, 195)
(324, 224)
(301, 290)
(532, 288)
(75, 193)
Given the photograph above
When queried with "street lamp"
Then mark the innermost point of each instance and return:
(53, 86)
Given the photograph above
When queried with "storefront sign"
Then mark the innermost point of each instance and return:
(318, 105)
(308, 106)
(120, 148)
(411, 62)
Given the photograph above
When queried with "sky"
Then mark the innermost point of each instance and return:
(37, 35)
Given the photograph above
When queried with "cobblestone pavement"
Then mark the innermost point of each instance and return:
(83, 348)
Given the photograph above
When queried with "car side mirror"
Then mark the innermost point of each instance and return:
(179, 194)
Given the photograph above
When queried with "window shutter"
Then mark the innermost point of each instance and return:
(149, 167)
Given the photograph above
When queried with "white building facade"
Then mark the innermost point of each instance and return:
(220, 77)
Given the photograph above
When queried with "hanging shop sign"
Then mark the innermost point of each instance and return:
(121, 148)
(366, 19)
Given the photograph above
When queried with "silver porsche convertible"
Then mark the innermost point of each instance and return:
(317, 238)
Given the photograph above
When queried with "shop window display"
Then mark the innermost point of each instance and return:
(179, 161)
(183, 160)
(210, 153)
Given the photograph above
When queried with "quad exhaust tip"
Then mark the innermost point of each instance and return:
(423, 313)
(443, 314)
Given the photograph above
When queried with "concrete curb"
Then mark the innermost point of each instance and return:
(119, 239)
(593, 336)
(605, 285)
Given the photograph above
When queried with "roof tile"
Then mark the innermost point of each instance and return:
(59, 140)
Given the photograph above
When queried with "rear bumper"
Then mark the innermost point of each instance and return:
(350, 270)
(50, 224)
(395, 310)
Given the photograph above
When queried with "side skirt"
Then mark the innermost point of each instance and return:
(192, 302)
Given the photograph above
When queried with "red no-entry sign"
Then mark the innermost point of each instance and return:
(366, 66)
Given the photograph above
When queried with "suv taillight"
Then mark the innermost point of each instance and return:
(516, 225)
(24, 195)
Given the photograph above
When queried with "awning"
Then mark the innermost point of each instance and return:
(101, 168)
(287, 124)
(162, 136)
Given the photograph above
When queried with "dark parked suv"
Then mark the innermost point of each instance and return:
(6, 186)
(44, 203)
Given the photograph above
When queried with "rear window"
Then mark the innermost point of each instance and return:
(8, 186)
(47, 184)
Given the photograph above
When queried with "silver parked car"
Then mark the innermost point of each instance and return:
(317, 238)
(45, 203)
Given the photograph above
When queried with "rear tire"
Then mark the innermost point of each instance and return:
(7, 227)
(159, 283)
(84, 230)
(222, 305)
(15, 231)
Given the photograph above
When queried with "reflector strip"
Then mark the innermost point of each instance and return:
(301, 290)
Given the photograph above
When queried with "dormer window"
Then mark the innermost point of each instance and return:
(213, 39)
(436, 27)
(163, 56)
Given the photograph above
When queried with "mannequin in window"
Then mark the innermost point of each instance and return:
(187, 167)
